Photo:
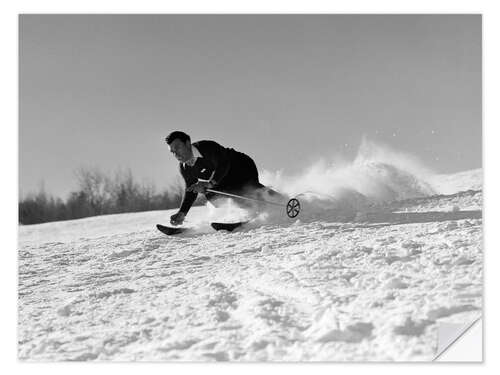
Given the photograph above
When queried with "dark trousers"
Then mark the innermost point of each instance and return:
(242, 179)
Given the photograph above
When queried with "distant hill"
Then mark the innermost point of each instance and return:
(456, 182)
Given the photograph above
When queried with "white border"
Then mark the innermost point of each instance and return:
(8, 78)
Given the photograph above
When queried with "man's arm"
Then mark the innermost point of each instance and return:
(189, 196)
(187, 201)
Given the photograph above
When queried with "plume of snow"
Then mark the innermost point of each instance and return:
(377, 174)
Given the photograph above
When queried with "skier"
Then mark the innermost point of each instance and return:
(208, 165)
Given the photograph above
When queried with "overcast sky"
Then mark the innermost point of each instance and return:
(105, 90)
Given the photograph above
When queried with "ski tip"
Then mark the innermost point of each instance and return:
(169, 230)
(227, 226)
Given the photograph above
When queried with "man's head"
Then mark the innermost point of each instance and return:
(179, 144)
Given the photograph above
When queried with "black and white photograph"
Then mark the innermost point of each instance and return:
(249, 187)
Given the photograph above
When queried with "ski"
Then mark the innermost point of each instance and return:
(169, 231)
(227, 226)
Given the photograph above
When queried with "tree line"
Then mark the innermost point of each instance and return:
(98, 194)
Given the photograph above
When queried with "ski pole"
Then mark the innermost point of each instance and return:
(292, 206)
(242, 197)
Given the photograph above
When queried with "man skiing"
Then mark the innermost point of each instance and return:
(207, 165)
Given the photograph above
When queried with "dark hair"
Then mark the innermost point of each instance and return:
(177, 135)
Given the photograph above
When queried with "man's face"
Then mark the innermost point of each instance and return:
(182, 151)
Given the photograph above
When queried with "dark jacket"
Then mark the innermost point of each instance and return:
(214, 165)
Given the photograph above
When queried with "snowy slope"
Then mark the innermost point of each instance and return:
(320, 288)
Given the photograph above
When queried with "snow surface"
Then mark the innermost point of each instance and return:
(361, 274)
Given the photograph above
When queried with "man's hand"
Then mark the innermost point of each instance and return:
(200, 187)
(178, 218)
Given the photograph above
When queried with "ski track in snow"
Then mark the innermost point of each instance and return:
(370, 289)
